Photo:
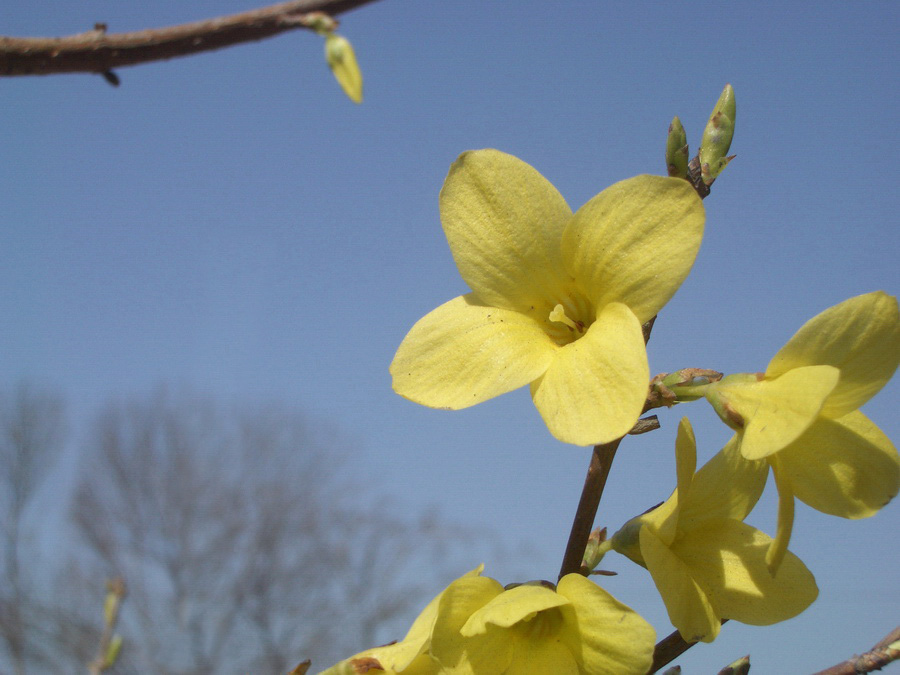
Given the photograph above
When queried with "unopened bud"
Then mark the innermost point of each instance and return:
(677, 150)
(112, 652)
(739, 667)
(717, 137)
(342, 61)
(687, 384)
(596, 548)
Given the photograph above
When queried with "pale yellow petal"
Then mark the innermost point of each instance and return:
(605, 636)
(504, 223)
(664, 519)
(418, 638)
(542, 655)
(521, 603)
(861, 336)
(844, 467)
(635, 242)
(727, 558)
(594, 390)
(464, 353)
(685, 458)
(458, 602)
(777, 411)
(785, 526)
(377, 661)
(727, 486)
(490, 652)
(689, 608)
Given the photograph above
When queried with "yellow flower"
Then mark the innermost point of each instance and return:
(801, 415)
(557, 299)
(475, 627)
(706, 563)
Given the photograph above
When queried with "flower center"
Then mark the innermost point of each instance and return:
(569, 320)
(541, 624)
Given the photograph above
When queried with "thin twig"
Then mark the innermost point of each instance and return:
(594, 482)
(670, 648)
(886, 651)
(98, 52)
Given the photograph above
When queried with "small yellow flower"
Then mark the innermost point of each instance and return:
(801, 415)
(557, 299)
(475, 627)
(706, 563)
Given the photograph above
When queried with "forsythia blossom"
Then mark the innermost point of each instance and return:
(802, 415)
(557, 299)
(707, 564)
(475, 627)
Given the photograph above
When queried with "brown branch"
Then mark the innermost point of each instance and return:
(670, 648)
(594, 482)
(98, 52)
(876, 658)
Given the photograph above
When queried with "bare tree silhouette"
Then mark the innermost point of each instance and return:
(246, 544)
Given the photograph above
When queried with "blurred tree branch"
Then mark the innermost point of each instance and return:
(244, 546)
(96, 51)
(31, 439)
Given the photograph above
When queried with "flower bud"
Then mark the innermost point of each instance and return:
(342, 61)
(677, 150)
(739, 667)
(717, 137)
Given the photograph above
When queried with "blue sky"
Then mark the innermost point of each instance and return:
(231, 223)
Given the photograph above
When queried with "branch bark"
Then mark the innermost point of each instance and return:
(98, 52)
(876, 658)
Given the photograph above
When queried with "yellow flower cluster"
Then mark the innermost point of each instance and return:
(475, 627)
(557, 301)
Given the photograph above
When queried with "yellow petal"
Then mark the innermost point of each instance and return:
(727, 557)
(690, 610)
(342, 61)
(861, 336)
(664, 519)
(464, 353)
(785, 527)
(594, 390)
(635, 242)
(727, 486)
(376, 662)
(418, 638)
(539, 656)
(685, 457)
(844, 467)
(605, 636)
(504, 223)
(521, 603)
(777, 411)
(458, 602)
